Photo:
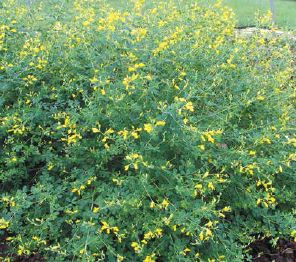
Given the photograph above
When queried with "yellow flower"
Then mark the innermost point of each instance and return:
(139, 33)
(128, 79)
(148, 128)
(135, 246)
(149, 259)
(198, 186)
(265, 140)
(135, 67)
(109, 131)
(3, 223)
(189, 106)
(209, 224)
(105, 227)
(280, 169)
(158, 232)
(21, 250)
(211, 186)
(261, 41)
(148, 77)
(96, 210)
(75, 190)
(202, 147)
(134, 156)
(208, 233)
(50, 166)
(252, 153)
(135, 135)
(115, 229)
(165, 203)
(186, 250)
(152, 204)
(148, 235)
(211, 139)
(160, 123)
(30, 79)
(226, 209)
(293, 233)
(123, 133)
(94, 80)
(201, 236)
(260, 97)
(119, 258)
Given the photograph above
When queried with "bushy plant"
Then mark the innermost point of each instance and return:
(141, 131)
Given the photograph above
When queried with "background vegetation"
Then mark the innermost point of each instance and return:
(246, 10)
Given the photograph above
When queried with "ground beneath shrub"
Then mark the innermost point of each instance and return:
(260, 251)
(15, 258)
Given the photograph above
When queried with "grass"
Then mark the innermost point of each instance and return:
(285, 11)
(245, 10)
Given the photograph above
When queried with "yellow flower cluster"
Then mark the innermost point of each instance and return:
(106, 228)
(128, 80)
(292, 141)
(72, 136)
(186, 105)
(157, 233)
(209, 135)
(8, 201)
(269, 199)
(168, 41)
(14, 124)
(81, 188)
(22, 250)
(135, 67)
(139, 33)
(248, 169)
(30, 79)
(5, 29)
(221, 213)
(134, 133)
(110, 21)
(4, 223)
(150, 258)
(293, 234)
(162, 205)
(38, 240)
(134, 159)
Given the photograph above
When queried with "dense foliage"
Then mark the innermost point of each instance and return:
(141, 132)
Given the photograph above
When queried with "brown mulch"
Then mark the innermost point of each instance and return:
(3, 245)
(15, 258)
(262, 251)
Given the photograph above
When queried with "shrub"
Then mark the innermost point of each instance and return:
(147, 131)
